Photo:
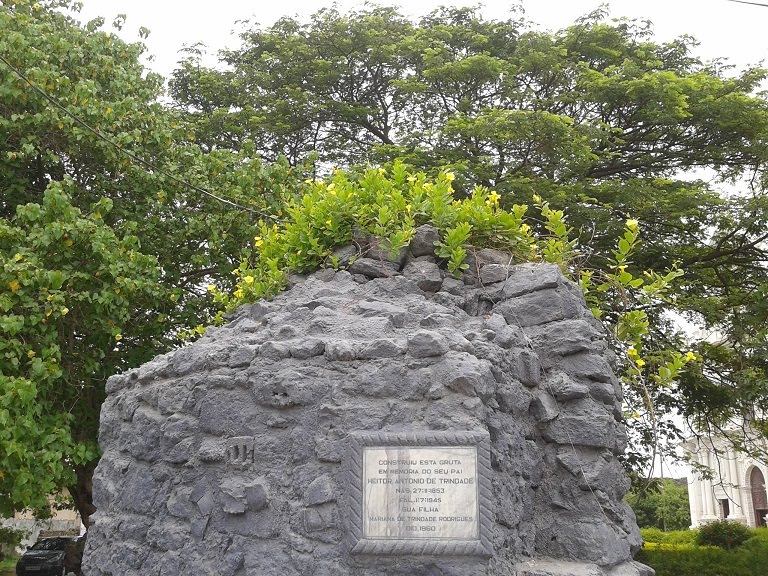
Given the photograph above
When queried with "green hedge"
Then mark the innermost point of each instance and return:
(686, 559)
(656, 536)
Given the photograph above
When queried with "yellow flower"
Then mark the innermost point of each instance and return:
(64, 311)
(248, 279)
(450, 176)
(493, 199)
(690, 356)
(14, 285)
(525, 229)
(211, 288)
(257, 241)
(239, 293)
(328, 223)
(632, 224)
(536, 199)
(30, 353)
(631, 351)
(640, 362)
(17, 257)
(408, 207)
(118, 336)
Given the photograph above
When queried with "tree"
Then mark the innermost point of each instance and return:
(598, 119)
(71, 311)
(663, 505)
(109, 235)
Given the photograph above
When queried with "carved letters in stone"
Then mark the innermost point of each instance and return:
(240, 451)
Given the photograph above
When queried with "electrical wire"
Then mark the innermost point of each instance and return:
(122, 150)
(751, 3)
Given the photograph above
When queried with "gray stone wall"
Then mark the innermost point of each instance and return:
(226, 457)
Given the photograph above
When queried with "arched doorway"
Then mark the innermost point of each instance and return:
(759, 498)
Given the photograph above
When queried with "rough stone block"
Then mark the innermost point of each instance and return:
(465, 374)
(320, 518)
(528, 368)
(588, 539)
(321, 491)
(181, 452)
(527, 278)
(371, 268)
(426, 275)
(554, 341)
(382, 348)
(587, 365)
(340, 350)
(275, 350)
(425, 343)
(144, 441)
(242, 356)
(168, 534)
(307, 348)
(423, 241)
(544, 407)
(491, 273)
(588, 424)
(549, 567)
(513, 398)
(564, 388)
(373, 308)
(540, 307)
(453, 286)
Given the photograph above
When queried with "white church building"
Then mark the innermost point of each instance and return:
(736, 490)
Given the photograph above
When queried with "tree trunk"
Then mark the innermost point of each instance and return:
(82, 492)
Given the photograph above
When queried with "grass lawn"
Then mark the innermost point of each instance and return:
(8, 566)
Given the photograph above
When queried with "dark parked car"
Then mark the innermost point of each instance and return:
(52, 557)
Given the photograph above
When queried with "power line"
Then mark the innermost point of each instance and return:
(751, 3)
(122, 150)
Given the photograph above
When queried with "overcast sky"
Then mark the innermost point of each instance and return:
(725, 29)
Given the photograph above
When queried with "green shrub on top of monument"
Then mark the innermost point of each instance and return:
(389, 206)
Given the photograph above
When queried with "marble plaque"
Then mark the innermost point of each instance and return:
(420, 492)
(414, 492)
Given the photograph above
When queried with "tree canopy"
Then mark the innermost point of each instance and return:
(117, 211)
(108, 236)
(598, 119)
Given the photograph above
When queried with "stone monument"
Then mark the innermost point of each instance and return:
(385, 420)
